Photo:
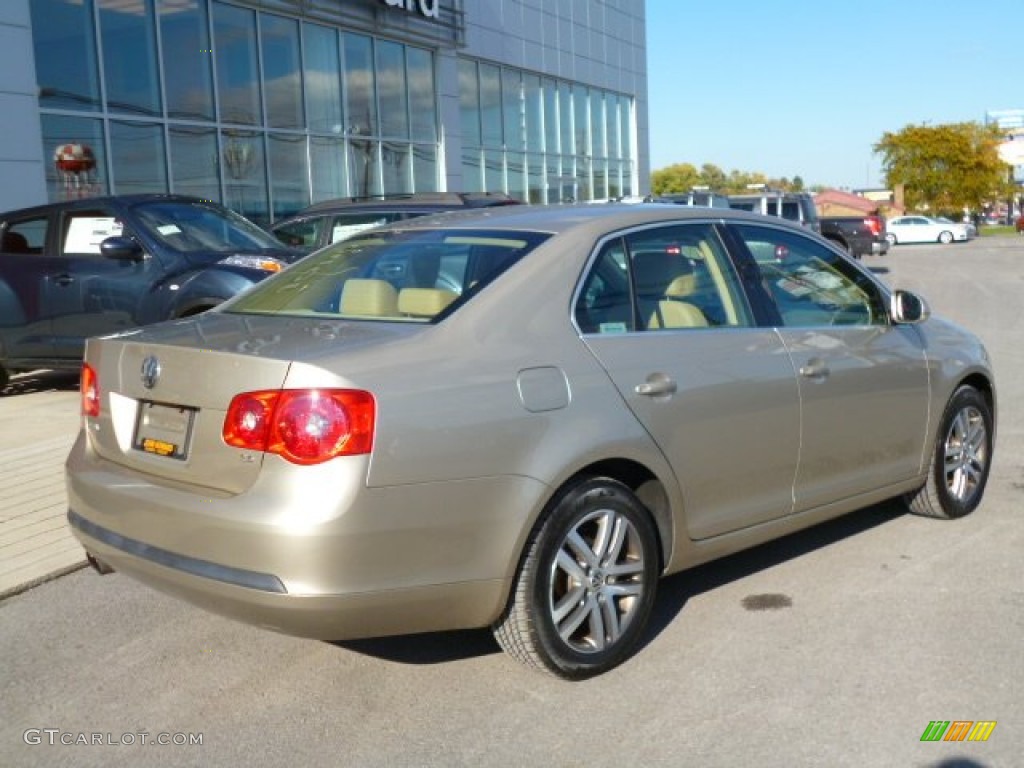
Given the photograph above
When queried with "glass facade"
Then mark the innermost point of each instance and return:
(268, 112)
(540, 139)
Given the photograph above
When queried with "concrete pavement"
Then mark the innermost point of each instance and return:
(39, 417)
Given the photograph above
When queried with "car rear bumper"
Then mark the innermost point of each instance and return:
(377, 562)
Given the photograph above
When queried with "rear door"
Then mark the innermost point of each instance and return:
(863, 382)
(663, 311)
(25, 326)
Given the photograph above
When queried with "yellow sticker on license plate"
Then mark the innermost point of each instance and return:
(163, 430)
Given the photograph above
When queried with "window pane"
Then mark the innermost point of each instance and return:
(565, 119)
(323, 79)
(423, 103)
(516, 175)
(472, 176)
(361, 110)
(469, 103)
(597, 124)
(65, 52)
(490, 105)
(245, 178)
(391, 91)
(282, 71)
(364, 166)
(581, 121)
(138, 162)
(494, 171)
(512, 107)
(187, 79)
(129, 56)
(535, 179)
(327, 168)
(626, 126)
(194, 162)
(396, 168)
(74, 147)
(424, 168)
(534, 113)
(550, 117)
(600, 179)
(237, 64)
(612, 125)
(289, 179)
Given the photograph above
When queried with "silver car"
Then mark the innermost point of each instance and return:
(519, 418)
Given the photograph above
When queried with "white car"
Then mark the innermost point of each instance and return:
(923, 229)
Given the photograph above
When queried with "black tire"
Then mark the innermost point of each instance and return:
(945, 237)
(891, 238)
(5, 378)
(569, 615)
(960, 460)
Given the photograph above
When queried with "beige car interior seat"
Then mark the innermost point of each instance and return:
(369, 298)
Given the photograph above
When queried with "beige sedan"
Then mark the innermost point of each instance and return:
(518, 418)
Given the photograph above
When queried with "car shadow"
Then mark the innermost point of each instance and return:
(676, 590)
(41, 381)
(879, 270)
(673, 592)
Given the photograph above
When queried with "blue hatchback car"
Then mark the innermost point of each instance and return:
(90, 267)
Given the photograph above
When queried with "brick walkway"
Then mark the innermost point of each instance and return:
(38, 423)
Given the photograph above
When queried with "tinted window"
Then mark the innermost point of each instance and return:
(28, 236)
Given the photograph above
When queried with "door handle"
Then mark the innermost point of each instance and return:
(815, 368)
(64, 279)
(657, 385)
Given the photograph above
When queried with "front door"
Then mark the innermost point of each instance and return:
(863, 381)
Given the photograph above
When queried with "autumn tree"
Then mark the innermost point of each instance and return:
(944, 167)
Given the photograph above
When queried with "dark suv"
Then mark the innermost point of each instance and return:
(794, 206)
(95, 266)
(332, 220)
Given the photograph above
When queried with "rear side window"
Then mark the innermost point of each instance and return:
(418, 276)
(27, 236)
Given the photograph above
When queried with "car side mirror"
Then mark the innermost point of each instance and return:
(907, 307)
(121, 248)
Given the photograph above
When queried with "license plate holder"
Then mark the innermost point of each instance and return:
(163, 430)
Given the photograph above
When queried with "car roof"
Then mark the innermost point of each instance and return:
(555, 219)
(87, 202)
(419, 201)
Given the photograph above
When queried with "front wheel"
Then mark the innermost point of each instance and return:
(945, 237)
(586, 584)
(891, 238)
(960, 460)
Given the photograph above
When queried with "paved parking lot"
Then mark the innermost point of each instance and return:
(837, 646)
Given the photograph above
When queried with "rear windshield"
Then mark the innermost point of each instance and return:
(418, 276)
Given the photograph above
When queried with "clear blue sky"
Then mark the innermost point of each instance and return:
(806, 87)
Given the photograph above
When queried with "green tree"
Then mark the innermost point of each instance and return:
(675, 179)
(946, 167)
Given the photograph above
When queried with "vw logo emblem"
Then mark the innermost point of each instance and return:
(150, 372)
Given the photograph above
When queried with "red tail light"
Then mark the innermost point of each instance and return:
(90, 390)
(304, 426)
(874, 224)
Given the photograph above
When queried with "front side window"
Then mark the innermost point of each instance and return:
(420, 276)
(84, 231)
(808, 283)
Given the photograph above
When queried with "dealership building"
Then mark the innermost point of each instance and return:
(270, 105)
